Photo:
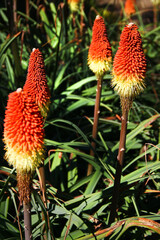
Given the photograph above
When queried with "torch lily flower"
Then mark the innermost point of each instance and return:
(129, 7)
(23, 132)
(99, 61)
(100, 53)
(36, 82)
(73, 4)
(129, 65)
(129, 70)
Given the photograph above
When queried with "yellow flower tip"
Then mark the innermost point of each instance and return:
(99, 67)
(128, 86)
(73, 4)
(156, 2)
(23, 162)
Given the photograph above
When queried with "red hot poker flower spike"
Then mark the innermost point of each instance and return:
(129, 65)
(23, 132)
(36, 83)
(129, 7)
(100, 53)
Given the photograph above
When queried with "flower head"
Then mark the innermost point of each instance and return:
(73, 4)
(100, 53)
(129, 65)
(23, 132)
(129, 7)
(36, 83)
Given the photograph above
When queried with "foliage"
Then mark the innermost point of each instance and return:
(78, 207)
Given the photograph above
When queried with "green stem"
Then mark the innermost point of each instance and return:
(42, 183)
(158, 151)
(95, 123)
(27, 220)
(43, 191)
(155, 15)
(12, 17)
(120, 158)
(27, 10)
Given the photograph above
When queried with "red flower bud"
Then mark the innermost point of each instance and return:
(129, 7)
(36, 83)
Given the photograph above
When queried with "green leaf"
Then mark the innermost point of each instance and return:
(140, 222)
(53, 37)
(93, 182)
(72, 170)
(146, 123)
(7, 43)
(137, 174)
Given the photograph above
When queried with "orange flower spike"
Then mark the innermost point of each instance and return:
(129, 65)
(23, 132)
(73, 4)
(100, 53)
(129, 7)
(36, 83)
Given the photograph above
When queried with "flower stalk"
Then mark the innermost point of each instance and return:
(24, 181)
(95, 123)
(99, 61)
(27, 220)
(42, 180)
(120, 159)
(129, 70)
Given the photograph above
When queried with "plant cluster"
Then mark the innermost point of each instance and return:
(65, 161)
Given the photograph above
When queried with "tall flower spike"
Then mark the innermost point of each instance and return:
(36, 82)
(129, 65)
(73, 4)
(23, 132)
(100, 53)
(129, 7)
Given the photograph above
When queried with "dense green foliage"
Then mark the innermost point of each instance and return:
(77, 205)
